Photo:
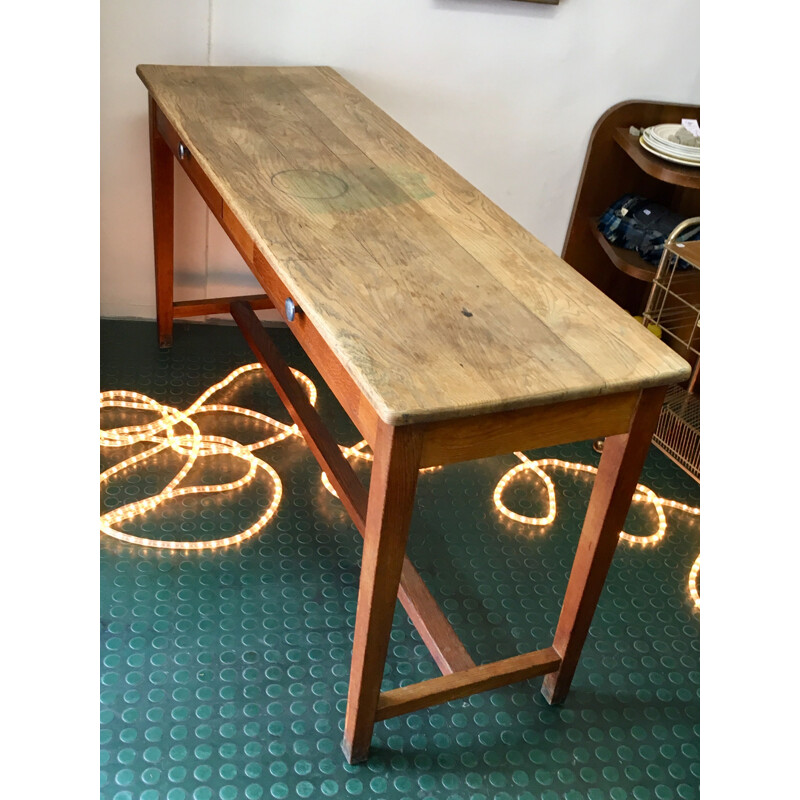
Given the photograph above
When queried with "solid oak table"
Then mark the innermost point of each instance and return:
(445, 330)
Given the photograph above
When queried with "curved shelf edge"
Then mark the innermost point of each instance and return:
(626, 261)
(654, 166)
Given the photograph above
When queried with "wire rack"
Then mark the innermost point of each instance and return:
(673, 313)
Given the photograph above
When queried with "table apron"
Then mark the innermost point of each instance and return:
(463, 439)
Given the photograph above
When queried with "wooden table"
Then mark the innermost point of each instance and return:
(445, 330)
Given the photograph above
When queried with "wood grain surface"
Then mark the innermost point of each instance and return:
(436, 302)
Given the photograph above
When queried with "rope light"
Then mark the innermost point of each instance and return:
(160, 435)
(694, 592)
(643, 494)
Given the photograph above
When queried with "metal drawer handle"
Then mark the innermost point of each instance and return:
(183, 151)
(291, 309)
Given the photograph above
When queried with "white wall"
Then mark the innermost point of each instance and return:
(506, 92)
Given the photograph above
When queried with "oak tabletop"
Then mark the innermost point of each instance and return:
(436, 302)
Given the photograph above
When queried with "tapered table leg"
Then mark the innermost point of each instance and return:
(617, 476)
(391, 500)
(162, 186)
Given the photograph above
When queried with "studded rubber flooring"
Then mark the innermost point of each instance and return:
(224, 672)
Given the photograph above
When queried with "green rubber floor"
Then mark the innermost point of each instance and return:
(224, 672)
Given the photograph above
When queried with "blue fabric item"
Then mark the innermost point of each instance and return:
(636, 223)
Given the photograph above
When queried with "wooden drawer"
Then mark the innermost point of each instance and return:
(190, 166)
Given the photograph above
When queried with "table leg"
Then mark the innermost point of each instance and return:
(391, 499)
(162, 186)
(617, 476)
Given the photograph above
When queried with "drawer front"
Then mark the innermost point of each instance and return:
(190, 166)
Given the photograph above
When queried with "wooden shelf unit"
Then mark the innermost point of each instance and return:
(617, 164)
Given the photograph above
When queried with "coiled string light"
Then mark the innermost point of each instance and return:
(160, 434)
(693, 590)
(643, 494)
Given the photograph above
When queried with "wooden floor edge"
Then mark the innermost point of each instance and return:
(467, 682)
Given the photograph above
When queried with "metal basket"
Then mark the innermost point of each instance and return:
(673, 312)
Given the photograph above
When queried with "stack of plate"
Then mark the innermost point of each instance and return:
(656, 141)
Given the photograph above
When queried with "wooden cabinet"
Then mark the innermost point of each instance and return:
(616, 164)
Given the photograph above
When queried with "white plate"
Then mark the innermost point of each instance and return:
(661, 134)
(683, 150)
(665, 130)
(674, 159)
